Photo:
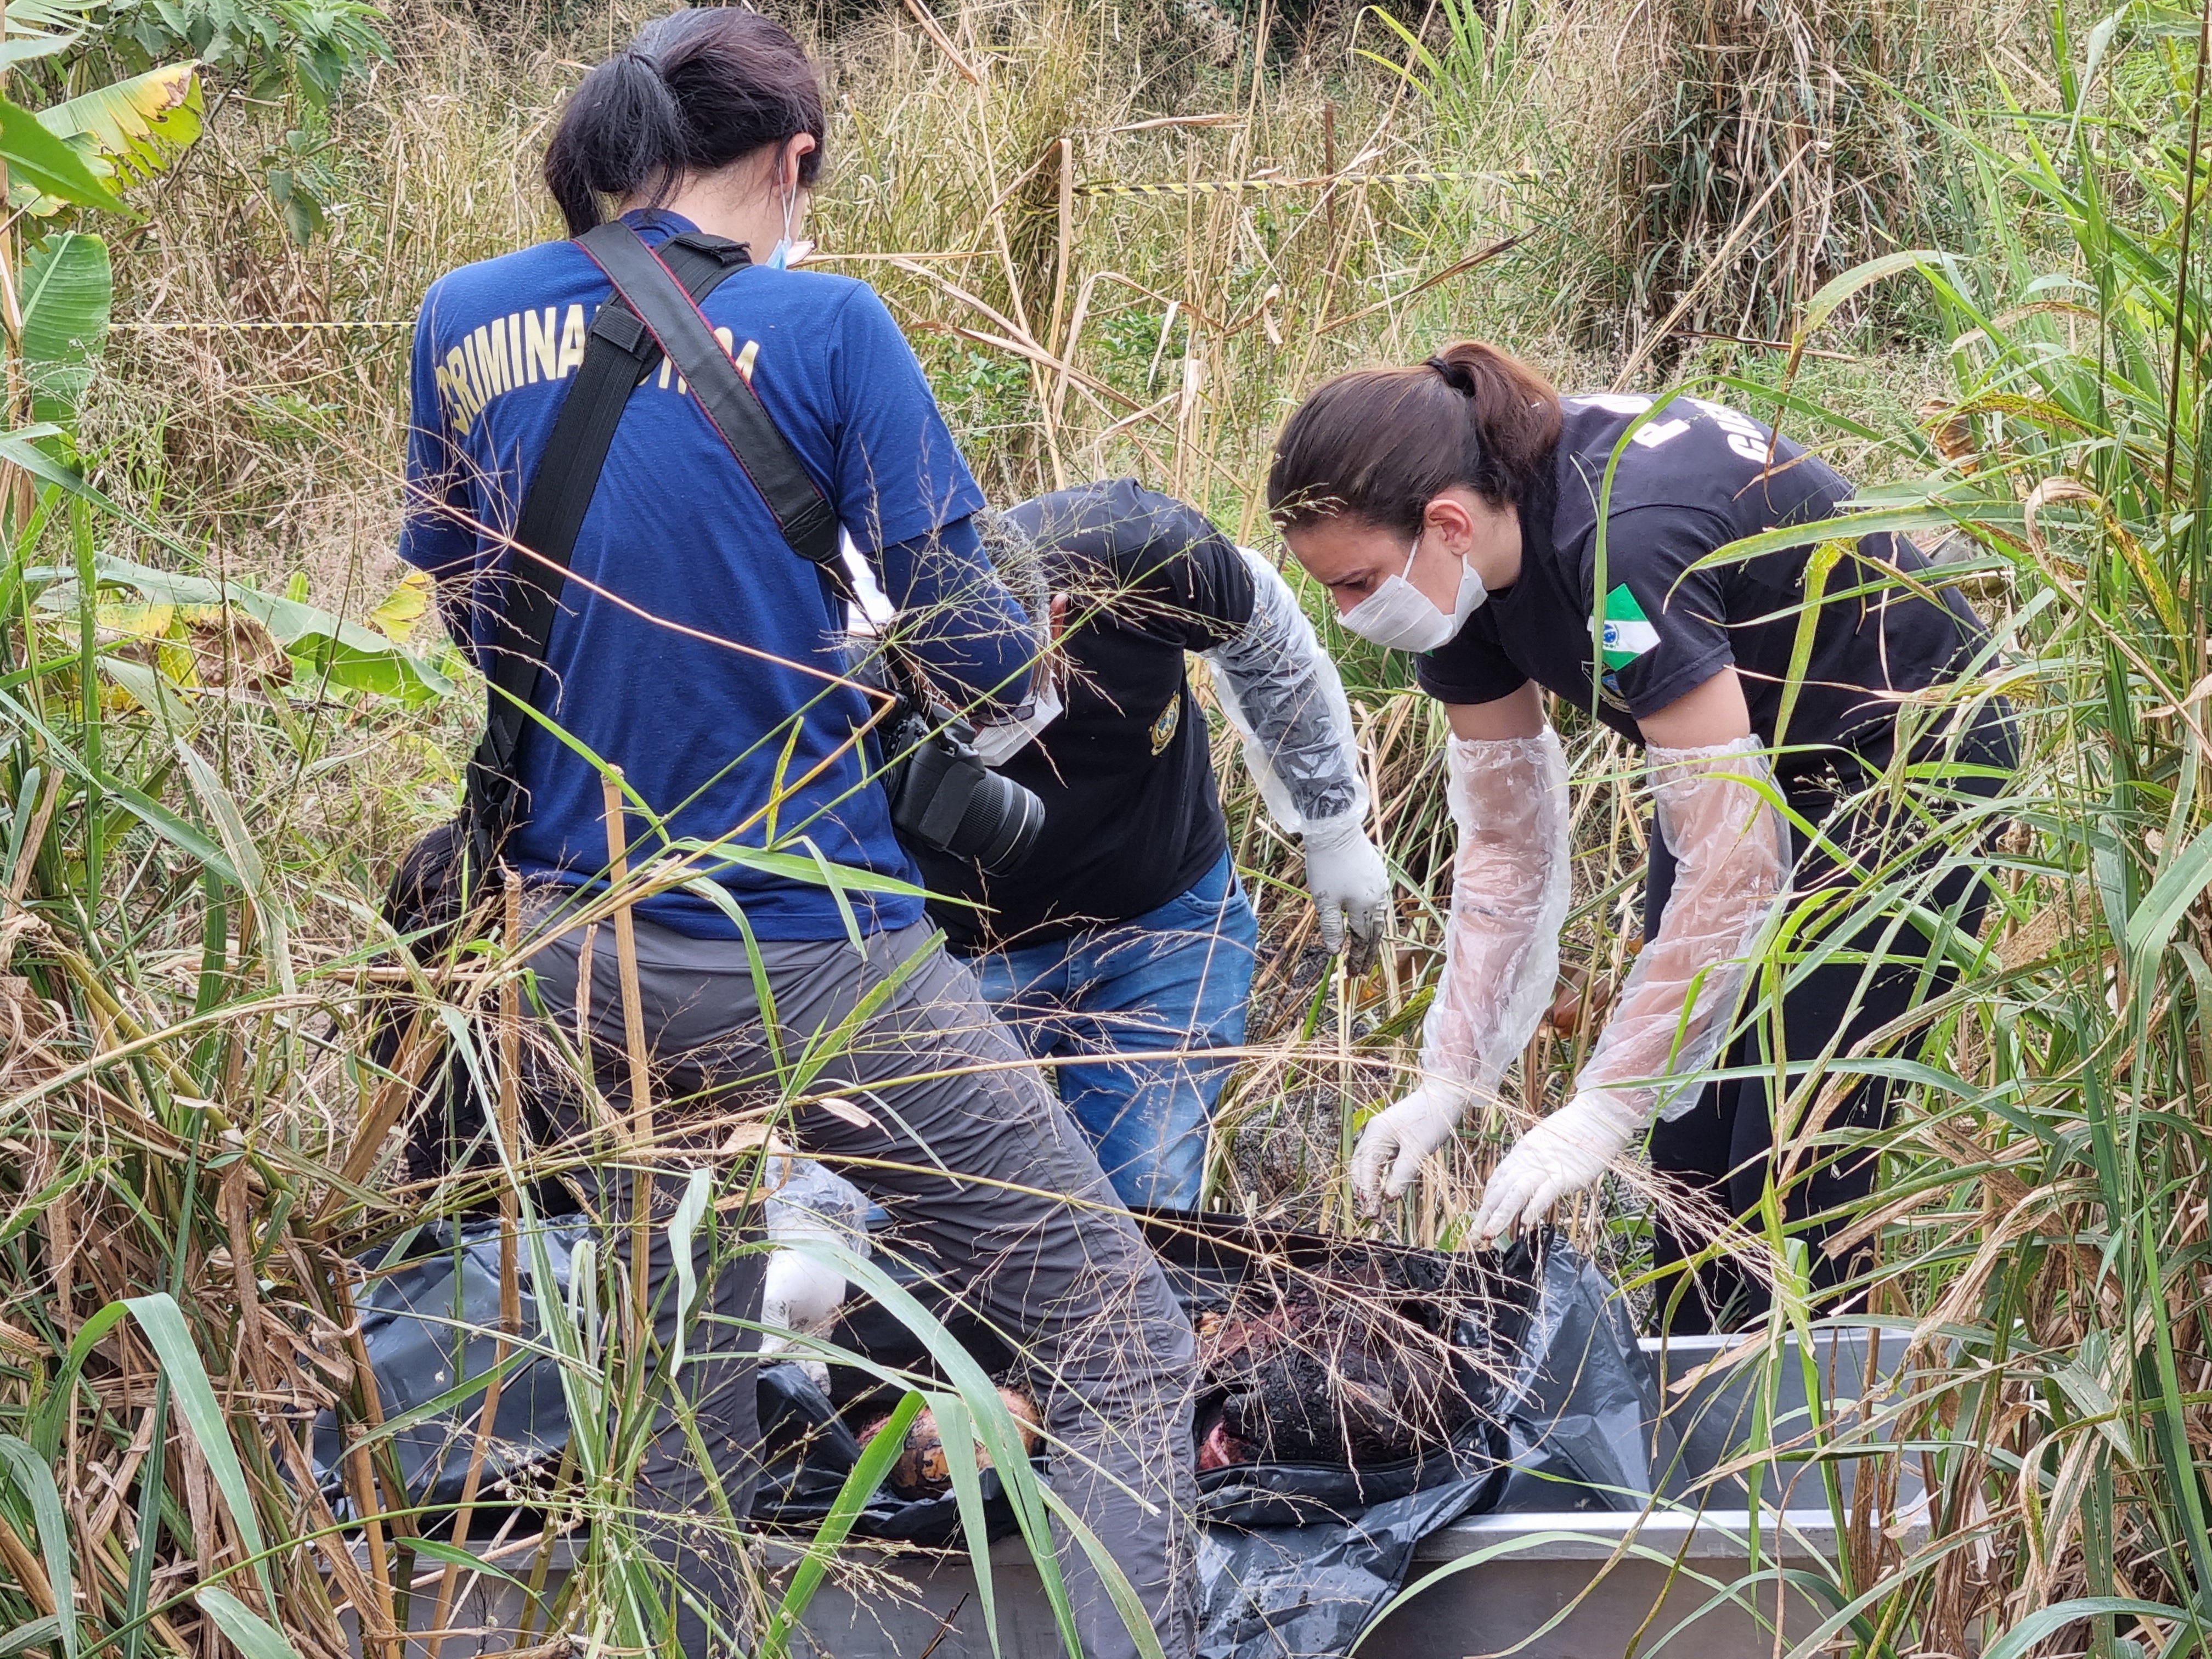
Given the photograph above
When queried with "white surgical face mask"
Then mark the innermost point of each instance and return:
(1398, 616)
(997, 743)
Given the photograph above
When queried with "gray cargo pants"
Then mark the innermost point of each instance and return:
(989, 1185)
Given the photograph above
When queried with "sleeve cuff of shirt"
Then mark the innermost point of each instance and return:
(964, 503)
(1679, 683)
(1447, 691)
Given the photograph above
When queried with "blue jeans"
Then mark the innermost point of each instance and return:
(1150, 992)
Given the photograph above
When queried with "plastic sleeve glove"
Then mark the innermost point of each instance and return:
(1279, 691)
(1715, 807)
(1510, 885)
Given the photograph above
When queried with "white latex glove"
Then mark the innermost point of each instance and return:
(1351, 888)
(1563, 1154)
(800, 1295)
(1400, 1136)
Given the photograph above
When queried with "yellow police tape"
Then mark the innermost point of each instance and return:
(1234, 187)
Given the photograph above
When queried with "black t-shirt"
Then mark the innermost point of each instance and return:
(1697, 477)
(1131, 816)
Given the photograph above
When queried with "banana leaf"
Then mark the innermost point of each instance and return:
(42, 165)
(135, 126)
(68, 293)
(327, 651)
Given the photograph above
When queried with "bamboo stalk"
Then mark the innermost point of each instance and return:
(361, 1472)
(465, 1511)
(371, 1478)
(392, 1097)
(1060, 341)
(936, 32)
(1328, 168)
(640, 1071)
(541, 1561)
(510, 1286)
(510, 1122)
(30, 1571)
(362, 1478)
(585, 950)
(15, 483)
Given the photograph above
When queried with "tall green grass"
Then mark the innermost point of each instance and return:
(2042, 1221)
(189, 873)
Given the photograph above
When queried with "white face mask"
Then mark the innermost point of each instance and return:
(1398, 616)
(997, 743)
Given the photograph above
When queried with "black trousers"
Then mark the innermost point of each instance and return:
(1881, 967)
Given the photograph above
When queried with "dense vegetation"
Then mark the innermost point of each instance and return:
(1963, 253)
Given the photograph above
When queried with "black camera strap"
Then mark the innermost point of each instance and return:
(654, 311)
(732, 408)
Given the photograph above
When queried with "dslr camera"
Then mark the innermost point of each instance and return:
(943, 798)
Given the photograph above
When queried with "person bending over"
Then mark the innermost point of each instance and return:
(1123, 947)
(696, 650)
(1515, 539)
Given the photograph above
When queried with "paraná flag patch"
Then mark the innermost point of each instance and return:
(1628, 632)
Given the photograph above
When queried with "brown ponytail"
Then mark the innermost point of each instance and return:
(1380, 443)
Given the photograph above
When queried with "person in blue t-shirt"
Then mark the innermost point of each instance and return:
(695, 651)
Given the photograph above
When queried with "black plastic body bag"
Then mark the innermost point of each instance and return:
(1295, 1559)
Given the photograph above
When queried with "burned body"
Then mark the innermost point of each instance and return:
(1301, 1372)
(1344, 1354)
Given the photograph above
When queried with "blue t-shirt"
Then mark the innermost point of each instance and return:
(693, 646)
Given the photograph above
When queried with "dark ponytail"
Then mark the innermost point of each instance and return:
(1380, 443)
(696, 90)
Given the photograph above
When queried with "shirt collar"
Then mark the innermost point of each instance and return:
(657, 223)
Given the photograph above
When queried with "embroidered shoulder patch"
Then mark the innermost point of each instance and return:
(1163, 729)
(1628, 632)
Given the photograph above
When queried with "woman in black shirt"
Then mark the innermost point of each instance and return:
(1462, 509)
(1123, 949)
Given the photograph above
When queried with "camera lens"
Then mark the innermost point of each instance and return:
(943, 797)
(1001, 827)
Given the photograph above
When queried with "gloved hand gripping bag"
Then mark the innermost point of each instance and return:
(1511, 882)
(1282, 694)
(807, 1201)
(1715, 806)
